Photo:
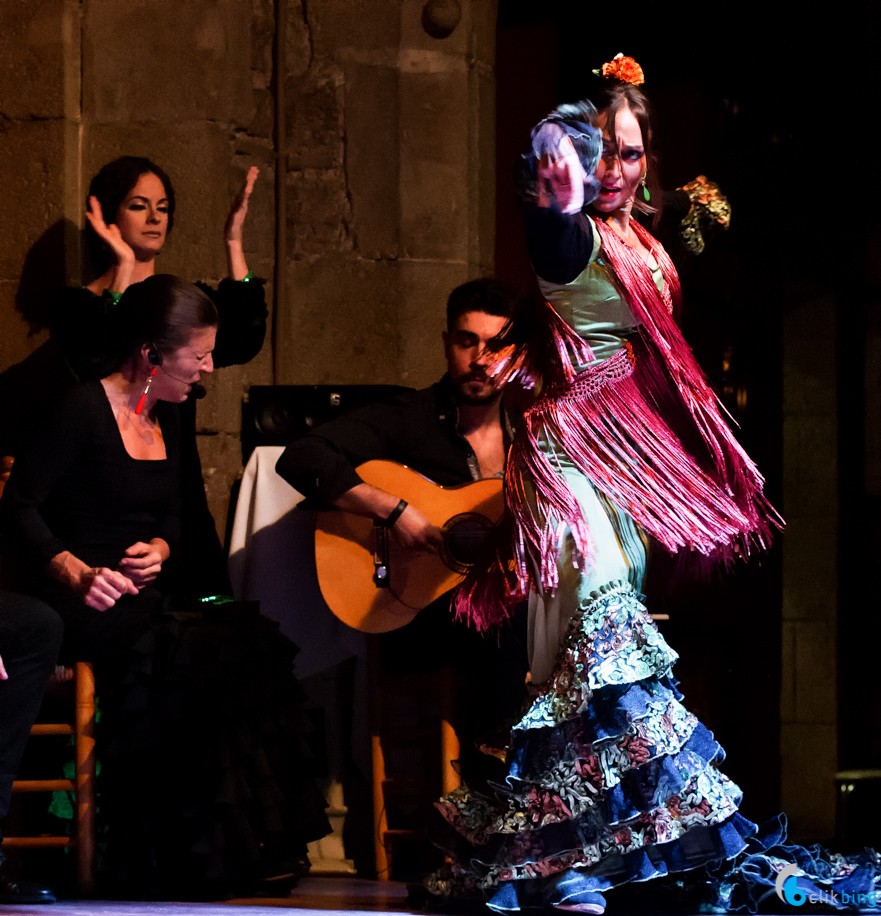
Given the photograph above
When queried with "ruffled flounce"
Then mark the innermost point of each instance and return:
(607, 776)
(207, 784)
(611, 641)
(773, 874)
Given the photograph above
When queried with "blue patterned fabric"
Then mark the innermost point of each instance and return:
(820, 880)
(609, 780)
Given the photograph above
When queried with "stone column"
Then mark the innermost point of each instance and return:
(809, 667)
(40, 84)
(390, 190)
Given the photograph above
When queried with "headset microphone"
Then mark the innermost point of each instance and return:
(197, 391)
(154, 357)
(181, 380)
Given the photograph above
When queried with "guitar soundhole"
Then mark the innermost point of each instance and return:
(464, 536)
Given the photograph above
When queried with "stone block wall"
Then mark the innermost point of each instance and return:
(376, 194)
(389, 197)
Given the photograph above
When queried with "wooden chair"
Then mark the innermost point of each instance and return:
(440, 778)
(82, 785)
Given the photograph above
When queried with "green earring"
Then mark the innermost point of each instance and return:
(646, 194)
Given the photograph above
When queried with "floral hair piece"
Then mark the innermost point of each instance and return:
(709, 208)
(622, 68)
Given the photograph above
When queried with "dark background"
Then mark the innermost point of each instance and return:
(778, 105)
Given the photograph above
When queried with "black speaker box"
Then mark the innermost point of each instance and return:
(278, 414)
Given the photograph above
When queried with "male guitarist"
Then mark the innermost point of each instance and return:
(453, 432)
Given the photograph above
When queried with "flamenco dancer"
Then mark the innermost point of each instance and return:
(608, 779)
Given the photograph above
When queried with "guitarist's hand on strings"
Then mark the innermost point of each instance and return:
(414, 531)
(410, 528)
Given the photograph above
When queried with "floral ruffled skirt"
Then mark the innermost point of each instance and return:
(609, 781)
(608, 778)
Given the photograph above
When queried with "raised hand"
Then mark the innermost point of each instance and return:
(109, 233)
(235, 225)
(235, 221)
(559, 174)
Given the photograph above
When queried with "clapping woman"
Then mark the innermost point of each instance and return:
(130, 214)
(129, 219)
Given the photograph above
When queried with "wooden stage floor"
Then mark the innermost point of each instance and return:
(321, 895)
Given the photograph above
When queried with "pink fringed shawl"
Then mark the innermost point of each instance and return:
(645, 428)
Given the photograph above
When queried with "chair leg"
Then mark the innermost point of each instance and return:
(449, 740)
(380, 819)
(84, 730)
(446, 686)
(82, 785)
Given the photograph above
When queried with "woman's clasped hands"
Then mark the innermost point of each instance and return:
(142, 562)
(102, 586)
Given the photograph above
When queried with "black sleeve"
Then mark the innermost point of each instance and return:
(200, 563)
(82, 325)
(241, 309)
(35, 475)
(559, 244)
(169, 526)
(321, 465)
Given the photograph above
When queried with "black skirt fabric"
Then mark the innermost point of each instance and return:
(207, 785)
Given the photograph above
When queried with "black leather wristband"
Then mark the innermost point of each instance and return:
(394, 515)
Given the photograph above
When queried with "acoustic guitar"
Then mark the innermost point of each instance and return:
(372, 584)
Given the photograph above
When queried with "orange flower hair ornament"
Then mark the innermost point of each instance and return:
(622, 68)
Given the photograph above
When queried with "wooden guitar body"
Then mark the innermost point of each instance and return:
(346, 548)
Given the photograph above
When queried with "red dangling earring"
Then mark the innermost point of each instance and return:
(142, 399)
